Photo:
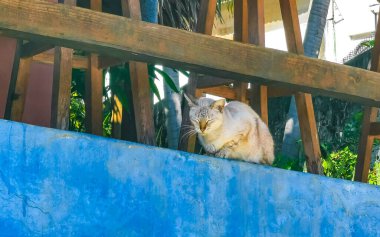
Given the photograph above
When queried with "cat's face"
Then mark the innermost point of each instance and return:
(206, 115)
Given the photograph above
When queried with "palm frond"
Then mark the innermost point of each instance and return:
(183, 14)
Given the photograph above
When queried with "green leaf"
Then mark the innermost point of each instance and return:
(369, 43)
(168, 80)
(154, 88)
(183, 72)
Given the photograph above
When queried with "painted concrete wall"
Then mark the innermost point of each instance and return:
(56, 183)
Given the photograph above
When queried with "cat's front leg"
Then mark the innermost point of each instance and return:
(210, 148)
(223, 153)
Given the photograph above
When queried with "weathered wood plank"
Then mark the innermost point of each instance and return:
(142, 103)
(61, 91)
(369, 125)
(205, 23)
(80, 28)
(304, 102)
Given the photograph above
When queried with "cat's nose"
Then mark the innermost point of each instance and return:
(202, 125)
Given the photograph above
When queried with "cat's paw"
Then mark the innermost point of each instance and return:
(223, 153)
(210, 148)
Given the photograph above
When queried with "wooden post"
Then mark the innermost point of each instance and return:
(241, 35)
(205, 24)
(365, 145)
(61, 91)
(370, 115)
(93, 97)
(305, 109)
(256, 35)
(142, 103)
(61, 88)
(94, 88)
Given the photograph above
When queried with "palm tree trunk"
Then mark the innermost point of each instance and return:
(312, 43)
(149, 10)
(173, 110)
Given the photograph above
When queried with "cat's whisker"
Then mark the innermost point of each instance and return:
(188, 130)
(187, 126)
(188, 134)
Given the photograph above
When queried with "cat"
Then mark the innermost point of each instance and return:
(231, 130)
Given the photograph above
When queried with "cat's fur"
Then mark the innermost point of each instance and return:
(231, 131)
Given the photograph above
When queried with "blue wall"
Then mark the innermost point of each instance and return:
(57, 183)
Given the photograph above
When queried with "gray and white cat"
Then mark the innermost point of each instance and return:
(231, 130)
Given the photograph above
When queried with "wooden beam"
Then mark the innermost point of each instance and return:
(78, 62)
(205, 23)
(31, 49)
(61, 91)
(142, 102)
(369, 125)
(304, 102)
(80, 28)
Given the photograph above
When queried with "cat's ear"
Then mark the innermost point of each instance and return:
(219, 105)
(190, 100)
